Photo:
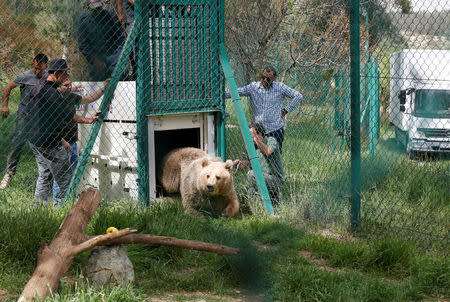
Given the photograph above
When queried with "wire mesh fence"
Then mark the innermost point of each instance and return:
(302, 104)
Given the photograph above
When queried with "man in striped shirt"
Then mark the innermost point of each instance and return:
(267, 100)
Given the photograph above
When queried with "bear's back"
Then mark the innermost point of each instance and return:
(171, 167)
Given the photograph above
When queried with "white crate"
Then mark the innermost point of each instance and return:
(112, 165)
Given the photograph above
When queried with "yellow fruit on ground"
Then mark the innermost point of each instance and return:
(111, 230)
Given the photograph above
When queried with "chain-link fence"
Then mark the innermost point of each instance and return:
(168, 90)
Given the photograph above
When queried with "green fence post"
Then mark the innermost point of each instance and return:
(221, 131)
(143, 91)
(374, 110)
(254, 161)
(355, 116)
(104, 106)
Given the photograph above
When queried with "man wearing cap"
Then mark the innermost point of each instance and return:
(51, 112)
(26, 81)
(100, 40)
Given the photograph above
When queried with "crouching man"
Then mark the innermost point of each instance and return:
(269, 155)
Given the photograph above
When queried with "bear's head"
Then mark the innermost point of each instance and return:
(215, 177)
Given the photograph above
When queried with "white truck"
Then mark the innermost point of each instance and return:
(420, 99)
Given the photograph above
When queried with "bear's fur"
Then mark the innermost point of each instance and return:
(203, 182)
(171, 167)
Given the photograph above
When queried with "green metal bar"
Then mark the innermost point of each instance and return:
(187, 64)
(200, 103)
(194, 55)
(104, 106)
(220, 77)
(166, 56)
(201, 53)
(154, 13)
(366, 105)
(220, 128)
(215, 20)
(143, 91)
(161, 54)
(173, 51)
(374, 106)
(256, 166)
(355, 76)
(181, 66)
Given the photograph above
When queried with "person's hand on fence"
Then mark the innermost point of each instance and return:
(93, 118)
(5, 111)
(253, 134)
(77, 88)
(240, 164)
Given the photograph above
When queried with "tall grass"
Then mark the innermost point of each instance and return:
(270, 265)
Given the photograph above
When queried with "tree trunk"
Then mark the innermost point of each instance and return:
(54, 260)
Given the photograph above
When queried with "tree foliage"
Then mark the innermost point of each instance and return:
(310, 36)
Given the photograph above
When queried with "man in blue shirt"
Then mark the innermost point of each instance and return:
(100, 40)
(267, 100)
(26, 81)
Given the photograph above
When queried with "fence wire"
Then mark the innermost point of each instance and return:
(405, 102)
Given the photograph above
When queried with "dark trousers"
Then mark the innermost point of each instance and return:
(17, 143)
(53, 163)
(279, 136)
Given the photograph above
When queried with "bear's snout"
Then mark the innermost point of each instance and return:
(210, 188)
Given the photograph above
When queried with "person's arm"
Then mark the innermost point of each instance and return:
(242, 91)
(66, 145)
(95, 95)
(259, 141)
(120, 11)
(5, 98)
(83, 120)
(292, 94)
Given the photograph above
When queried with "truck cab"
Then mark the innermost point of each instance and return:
(420, 100)
(427, 120)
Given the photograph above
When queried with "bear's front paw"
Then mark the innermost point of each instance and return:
(231, 210)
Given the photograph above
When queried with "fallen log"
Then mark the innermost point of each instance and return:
(54, 260)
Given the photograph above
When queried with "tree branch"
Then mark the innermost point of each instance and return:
(175, 242)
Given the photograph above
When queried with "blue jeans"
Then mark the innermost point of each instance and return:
(73, 160)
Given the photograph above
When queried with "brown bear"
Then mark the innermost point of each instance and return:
(171, 167)
(204, 183)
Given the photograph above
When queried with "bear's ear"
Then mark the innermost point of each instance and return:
(229, 165)
(205, 162)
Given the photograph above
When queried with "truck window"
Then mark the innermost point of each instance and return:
(432, 103)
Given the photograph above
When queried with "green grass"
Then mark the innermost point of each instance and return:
(399, 196)
(279, 260)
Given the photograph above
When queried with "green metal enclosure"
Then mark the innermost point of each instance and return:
(179, 72)
(184, 57)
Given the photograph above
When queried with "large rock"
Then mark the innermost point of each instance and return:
(109, 265)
